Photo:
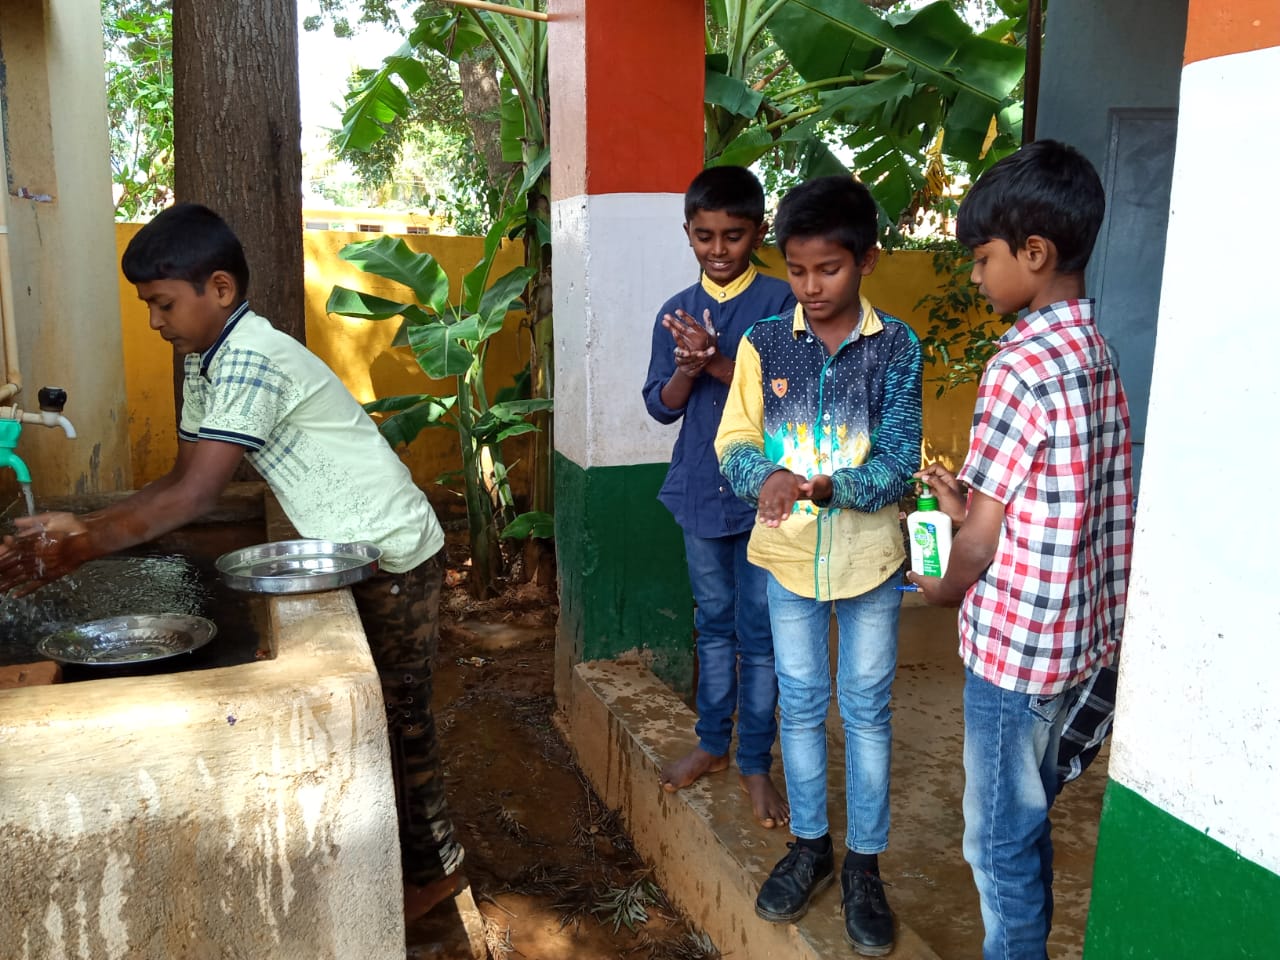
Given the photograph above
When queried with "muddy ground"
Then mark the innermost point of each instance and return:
(551, 869)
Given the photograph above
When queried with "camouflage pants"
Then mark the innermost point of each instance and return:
(399, 612)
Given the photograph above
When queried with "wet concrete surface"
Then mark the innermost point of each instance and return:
(524, 810)
(173, 574)
(712, 857)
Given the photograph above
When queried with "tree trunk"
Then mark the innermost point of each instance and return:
(237, 137)
(482, 101)
(486, 554)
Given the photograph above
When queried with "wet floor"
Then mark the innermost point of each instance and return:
(552, 871)
(541, 850)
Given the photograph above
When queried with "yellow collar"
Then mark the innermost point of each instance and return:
(733, 288)
(871, 322)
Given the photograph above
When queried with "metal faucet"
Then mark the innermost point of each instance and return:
(51, 400)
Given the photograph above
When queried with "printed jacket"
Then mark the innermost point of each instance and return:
(853, 415)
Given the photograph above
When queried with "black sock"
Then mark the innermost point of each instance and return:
(821, 845)
(862, 863)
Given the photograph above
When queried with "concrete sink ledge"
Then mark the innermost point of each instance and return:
(709, 853)
(243, 812)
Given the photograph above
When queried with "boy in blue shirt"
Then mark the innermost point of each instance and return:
(695, 340)
(821, 433)
(251, 392)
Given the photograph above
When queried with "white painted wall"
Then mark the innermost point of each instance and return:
(1199, 712)
(632, 255)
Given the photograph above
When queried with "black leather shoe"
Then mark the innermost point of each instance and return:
(868, 921)
(799, 875)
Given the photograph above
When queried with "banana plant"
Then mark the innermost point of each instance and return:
(898, 92)
(517, 35)
(451, 340)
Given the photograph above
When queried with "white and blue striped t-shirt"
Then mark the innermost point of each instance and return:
(333, 473)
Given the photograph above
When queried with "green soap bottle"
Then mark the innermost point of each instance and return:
(929, 533)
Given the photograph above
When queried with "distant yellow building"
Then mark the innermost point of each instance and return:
(373, 221)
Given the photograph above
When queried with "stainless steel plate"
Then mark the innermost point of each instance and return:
(132, 639)
(298, 566)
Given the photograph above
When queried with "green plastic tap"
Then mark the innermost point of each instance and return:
(10, 431)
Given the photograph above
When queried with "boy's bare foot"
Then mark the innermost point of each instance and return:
(689, 768)
(419, 901)
(766, 802)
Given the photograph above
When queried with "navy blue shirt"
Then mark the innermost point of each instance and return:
(699, 498)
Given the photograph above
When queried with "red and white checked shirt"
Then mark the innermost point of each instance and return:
(1050, 441)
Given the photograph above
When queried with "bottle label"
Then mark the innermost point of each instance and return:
(926, 537)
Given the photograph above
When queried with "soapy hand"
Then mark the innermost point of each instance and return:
(697, 346)
(818, 488)
(689, 335)
(778, 494)
(693, 362)
(46, 547)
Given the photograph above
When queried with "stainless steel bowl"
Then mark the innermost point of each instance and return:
(298, 566)
(133, 639)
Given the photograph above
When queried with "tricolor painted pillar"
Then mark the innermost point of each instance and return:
(627, 137)
(1188, 859)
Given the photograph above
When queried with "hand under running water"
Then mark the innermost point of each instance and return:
(45, 547)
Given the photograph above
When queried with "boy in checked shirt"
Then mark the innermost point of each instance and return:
(1040, 565)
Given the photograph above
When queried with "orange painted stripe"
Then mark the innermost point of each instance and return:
(1216, 28)
(627, 84)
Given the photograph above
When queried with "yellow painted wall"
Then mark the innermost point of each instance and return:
(360, 352)
(899, 282)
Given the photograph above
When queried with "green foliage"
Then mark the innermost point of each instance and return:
(450, 339)
(531, 524)
(138, 38)
(955, 343)
(417, 87)
(337, 14)
(515, 49)
(811, 87)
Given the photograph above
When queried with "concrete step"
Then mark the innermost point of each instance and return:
(709, 853)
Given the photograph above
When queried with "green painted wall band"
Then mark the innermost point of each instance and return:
(1163, 890)
(624, 585)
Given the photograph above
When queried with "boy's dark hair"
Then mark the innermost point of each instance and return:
(1047, 189)
(837, 207)
(185, 242)
(732, 190)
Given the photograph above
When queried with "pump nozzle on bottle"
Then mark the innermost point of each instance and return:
(926, 499)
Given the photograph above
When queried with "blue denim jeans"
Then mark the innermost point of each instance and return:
(1010, 780)
(868, 656)
(735, 651)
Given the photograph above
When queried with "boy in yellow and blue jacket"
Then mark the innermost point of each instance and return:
(822, 432)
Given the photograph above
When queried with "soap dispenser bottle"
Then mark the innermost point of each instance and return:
(929, 533)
